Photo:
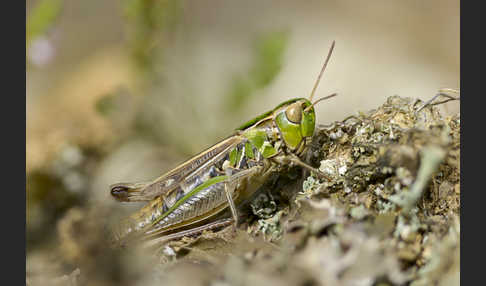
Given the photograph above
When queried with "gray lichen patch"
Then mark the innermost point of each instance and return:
(399, 163)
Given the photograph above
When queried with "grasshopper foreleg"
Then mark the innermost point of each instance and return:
(294, 159)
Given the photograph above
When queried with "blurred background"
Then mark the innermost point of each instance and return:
(124, 90)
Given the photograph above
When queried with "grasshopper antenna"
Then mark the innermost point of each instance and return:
(319, 100)
(322, 71)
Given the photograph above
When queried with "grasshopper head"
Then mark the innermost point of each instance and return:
(296, 119)
(295, 122)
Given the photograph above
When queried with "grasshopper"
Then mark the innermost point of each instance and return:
(184, 200)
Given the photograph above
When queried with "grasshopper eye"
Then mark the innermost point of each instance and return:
(294, 113)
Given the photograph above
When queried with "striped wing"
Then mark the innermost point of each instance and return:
(171, 180)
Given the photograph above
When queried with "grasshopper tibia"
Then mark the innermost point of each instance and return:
(209, 226)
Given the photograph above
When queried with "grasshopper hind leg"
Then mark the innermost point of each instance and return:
(230, 188)
(160, 241)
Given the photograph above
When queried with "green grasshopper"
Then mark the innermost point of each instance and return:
(226, 173)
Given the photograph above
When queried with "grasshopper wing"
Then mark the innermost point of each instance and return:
(132, 192)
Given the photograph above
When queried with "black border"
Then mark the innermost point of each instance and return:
(472, 143)
(13, 119)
